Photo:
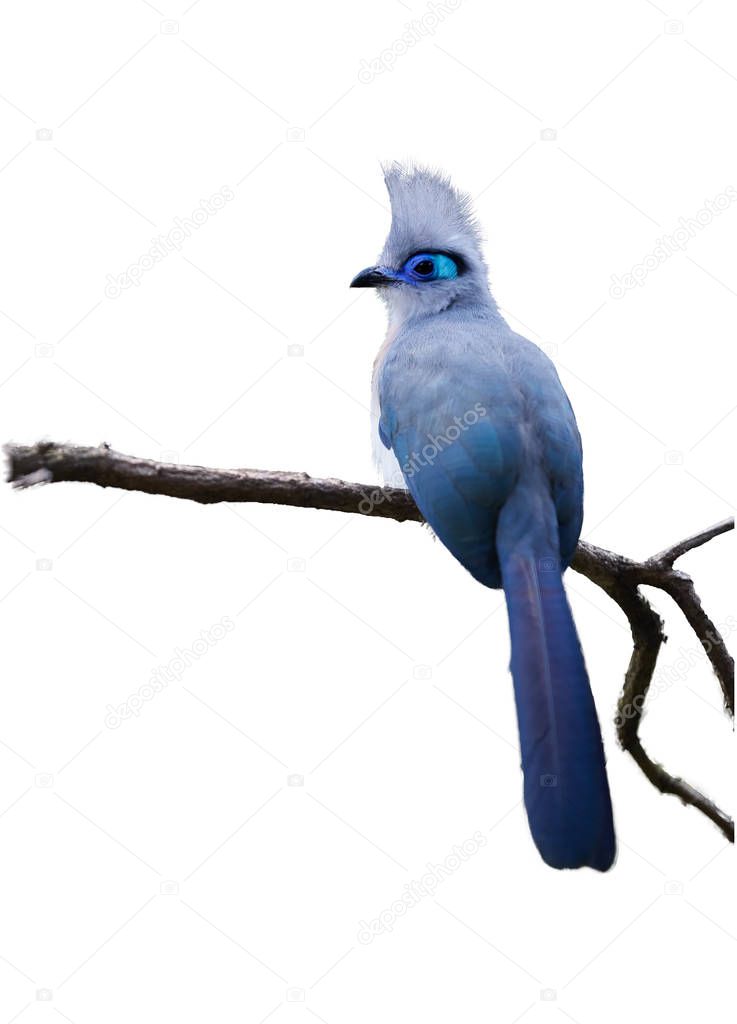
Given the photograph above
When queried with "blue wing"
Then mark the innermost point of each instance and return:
(458, 421)
(459, 488)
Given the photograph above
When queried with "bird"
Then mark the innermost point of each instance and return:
(473, 420)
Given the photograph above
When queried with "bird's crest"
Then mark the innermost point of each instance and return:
(428, 213)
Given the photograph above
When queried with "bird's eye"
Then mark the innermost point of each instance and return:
(430, 266)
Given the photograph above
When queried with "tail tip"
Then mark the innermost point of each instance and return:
(569, 856)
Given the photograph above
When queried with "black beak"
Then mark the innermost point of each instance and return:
(372, 277)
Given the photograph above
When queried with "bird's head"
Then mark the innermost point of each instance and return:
(432, 257)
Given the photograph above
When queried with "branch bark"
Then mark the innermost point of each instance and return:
(618, 576)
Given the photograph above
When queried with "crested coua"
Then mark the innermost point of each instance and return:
(486, 441)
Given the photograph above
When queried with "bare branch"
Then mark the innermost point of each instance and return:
(668, 557)
(668, 783)
(47, 462)
(618, 576)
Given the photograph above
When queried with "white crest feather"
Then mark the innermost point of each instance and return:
(428, 213)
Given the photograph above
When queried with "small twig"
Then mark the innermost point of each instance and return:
(618, 576)
(668, 557)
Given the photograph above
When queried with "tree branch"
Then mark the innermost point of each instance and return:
(47, 462)
(618, 576)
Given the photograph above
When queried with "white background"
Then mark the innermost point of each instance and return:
(166, 869)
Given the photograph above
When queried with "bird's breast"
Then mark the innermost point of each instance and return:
(384, 458)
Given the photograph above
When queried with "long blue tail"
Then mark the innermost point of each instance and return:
(565, 784)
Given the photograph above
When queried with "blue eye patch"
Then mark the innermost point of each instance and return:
(430, 266)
